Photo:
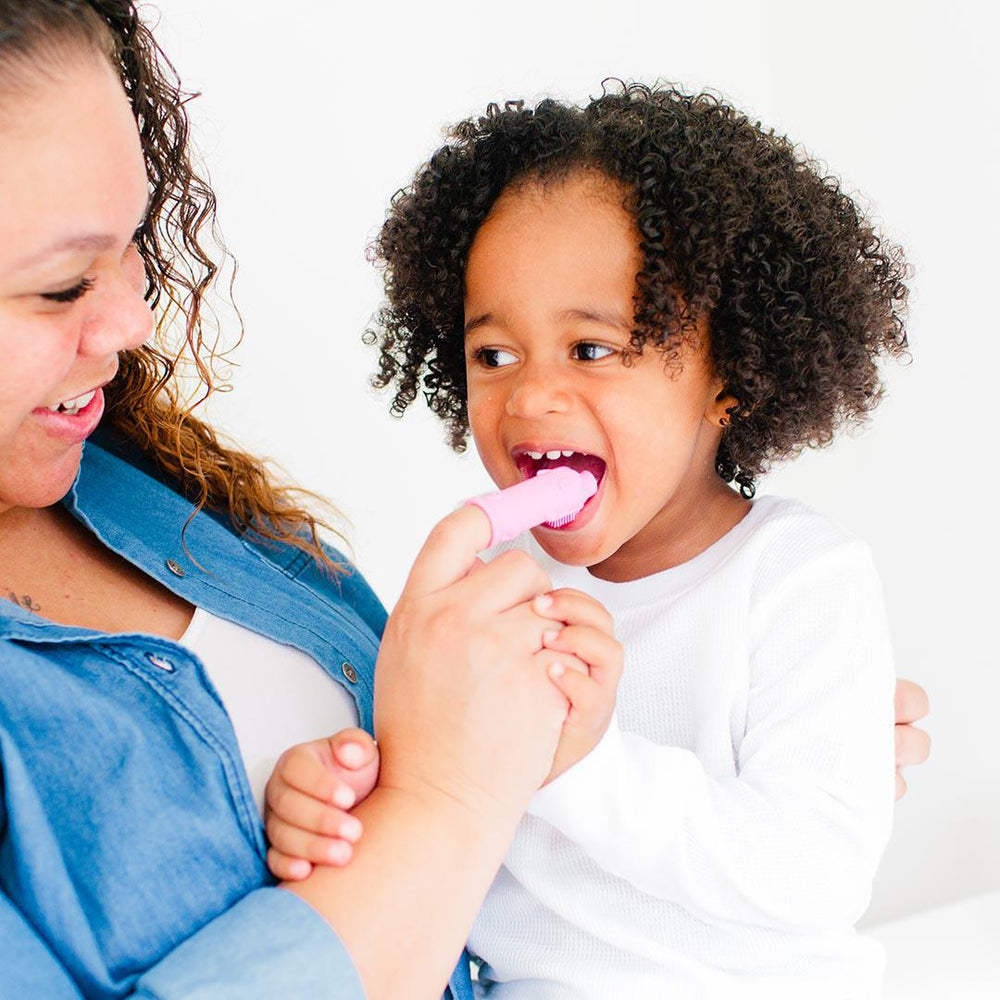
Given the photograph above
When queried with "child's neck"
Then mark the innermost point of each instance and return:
(681, 531)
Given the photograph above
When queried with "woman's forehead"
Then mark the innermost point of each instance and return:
(71, 163)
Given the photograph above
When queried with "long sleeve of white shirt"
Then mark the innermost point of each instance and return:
(722, 837)
(792, 840)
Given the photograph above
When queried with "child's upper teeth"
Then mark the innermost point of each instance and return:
(539, 455)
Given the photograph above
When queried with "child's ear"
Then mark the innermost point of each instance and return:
(722, 407)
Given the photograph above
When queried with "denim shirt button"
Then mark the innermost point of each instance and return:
(159, 661)
(175, 567)
(349, 672)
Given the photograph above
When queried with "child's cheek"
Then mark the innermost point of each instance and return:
(485, 427)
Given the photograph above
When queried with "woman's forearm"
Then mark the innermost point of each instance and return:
(404, 905)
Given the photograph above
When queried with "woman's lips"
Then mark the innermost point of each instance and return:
(72, 428)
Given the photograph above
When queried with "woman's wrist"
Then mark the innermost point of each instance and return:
(405, 903)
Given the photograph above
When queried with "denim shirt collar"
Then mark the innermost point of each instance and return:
(203, 561)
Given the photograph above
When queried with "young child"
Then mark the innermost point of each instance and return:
(657, 290)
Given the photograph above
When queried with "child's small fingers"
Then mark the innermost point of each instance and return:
(574, 608)
(911, 702)
(601, 651)
(353, 748)
(913, 746)
(900, 785)
(578, 688)
(546, 657)
(286, 868)
(303, 811)
(296, 843)
(301, 769)
(581, 692)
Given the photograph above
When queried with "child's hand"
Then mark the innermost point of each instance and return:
(912, 744)
(584, 661)
(307, 798)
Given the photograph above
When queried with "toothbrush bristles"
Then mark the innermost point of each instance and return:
(562, 520)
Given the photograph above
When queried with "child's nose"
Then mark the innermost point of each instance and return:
(537, 392)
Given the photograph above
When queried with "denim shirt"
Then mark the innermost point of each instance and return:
(132, 856)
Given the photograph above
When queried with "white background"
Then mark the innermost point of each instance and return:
(313, 116)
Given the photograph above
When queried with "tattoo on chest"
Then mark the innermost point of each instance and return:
(24, 601)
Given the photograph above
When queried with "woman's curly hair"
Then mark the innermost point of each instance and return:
(801, 292)
(147, 405)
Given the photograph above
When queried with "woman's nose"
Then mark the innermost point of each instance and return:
(537, 391)
(121, 319)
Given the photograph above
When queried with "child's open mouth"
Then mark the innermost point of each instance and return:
(530, 463)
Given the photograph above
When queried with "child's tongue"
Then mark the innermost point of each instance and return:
(580, 462)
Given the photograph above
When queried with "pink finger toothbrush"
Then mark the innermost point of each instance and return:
(553, 498)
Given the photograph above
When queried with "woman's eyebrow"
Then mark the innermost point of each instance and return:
(74, 244)
(81, 243)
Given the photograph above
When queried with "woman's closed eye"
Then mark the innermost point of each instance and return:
(70, 294)
(67, 295)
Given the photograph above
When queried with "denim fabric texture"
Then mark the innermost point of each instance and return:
(132, 857)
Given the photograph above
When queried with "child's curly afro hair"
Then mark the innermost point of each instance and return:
(803, 295)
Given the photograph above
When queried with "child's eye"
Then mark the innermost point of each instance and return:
(587, 351)
(494, 357)
(70, 294)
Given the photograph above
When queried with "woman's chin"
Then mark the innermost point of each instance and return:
(39, 484)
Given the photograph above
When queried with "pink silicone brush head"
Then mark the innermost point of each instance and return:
(553, 498)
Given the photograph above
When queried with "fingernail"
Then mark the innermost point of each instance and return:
(556, 670)
(551, 635)
(299, 869)
(337, 853)
(350, 829)
(344, 796)
(543, 602)
(351, 754)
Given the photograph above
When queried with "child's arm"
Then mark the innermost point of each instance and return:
(792, 841)
(307, 801)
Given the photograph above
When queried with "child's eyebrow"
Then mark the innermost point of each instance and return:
(611, 318)
(606, 318)
(477, 321)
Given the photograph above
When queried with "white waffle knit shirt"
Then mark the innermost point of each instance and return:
(721, 839)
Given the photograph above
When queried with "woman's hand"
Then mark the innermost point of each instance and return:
(912, 745)
(467, 724)
(304, 823)
(462, 707)
(584, 661)
(307, 801)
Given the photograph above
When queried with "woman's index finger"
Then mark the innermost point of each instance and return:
(449, 554)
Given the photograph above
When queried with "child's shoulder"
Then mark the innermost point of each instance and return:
(791, 540)
(780, 541)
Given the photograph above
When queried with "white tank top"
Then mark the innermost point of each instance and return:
(275, 695)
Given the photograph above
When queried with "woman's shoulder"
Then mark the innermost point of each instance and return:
(122, 495)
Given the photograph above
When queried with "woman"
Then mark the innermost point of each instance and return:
(132, 859)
